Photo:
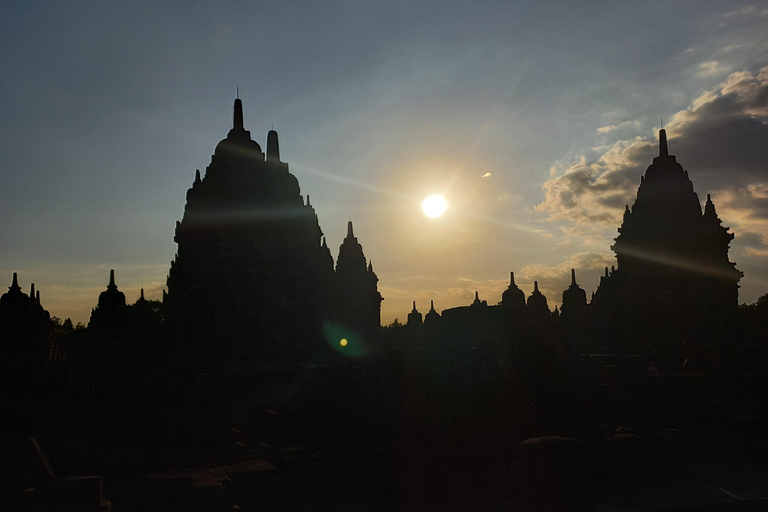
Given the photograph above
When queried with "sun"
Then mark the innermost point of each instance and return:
(434, 206)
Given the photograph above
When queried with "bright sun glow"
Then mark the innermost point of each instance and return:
(343, 342)
(434, 206)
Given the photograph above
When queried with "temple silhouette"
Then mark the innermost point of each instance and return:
(674, 279)
(253, 276)
(264, 379)
(27, 339)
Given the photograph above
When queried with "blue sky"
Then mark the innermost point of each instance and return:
(535, 119)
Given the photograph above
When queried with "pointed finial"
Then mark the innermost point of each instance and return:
(37, 297)
(142, 294)
(197, 176)
(573, 277)
(350, 232)
(308, 201)
(606, 271)
(325, 244)
(237, 121)
(477, 299)
(112, 279)
(32, 291)
(15, 283)
(535, 286)
(512, 279)
(709, 207)
(273, 146)
(431, 305)
(663, 149)
(370, 266)
(414, 305)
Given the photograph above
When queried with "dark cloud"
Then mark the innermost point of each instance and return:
(595, 193)
(722, 139)
(749, 240)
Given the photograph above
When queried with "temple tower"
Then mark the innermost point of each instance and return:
(251, 278)
(538, 309)
(109, 318)
(26, 338)
(674, 280)
(414, 317)
(574, 300)
(357, 299)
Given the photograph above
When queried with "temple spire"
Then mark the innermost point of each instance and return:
(709, 207)
(237, 122)
(512, 279)
(15, 283)
(431, 306)
(573, 277)
(350, 232)
(273, 147)
(112, 284)
(414, 306)
(663, 149)
(535, 286)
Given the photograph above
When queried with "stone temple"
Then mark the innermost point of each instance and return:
(674, 280)
(253, 276)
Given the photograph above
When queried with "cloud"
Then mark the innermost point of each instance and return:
(594, 193)
(486, 175)
(579, 261)
(710, 68)
(720, 137)
(612, 127)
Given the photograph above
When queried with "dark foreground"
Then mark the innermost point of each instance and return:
(679, 442)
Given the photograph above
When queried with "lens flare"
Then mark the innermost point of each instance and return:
(344, 340)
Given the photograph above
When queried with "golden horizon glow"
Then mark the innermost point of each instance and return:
(434, 206)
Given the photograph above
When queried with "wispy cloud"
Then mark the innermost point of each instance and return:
(612, 127)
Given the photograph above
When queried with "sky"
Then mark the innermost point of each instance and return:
(535, 120)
